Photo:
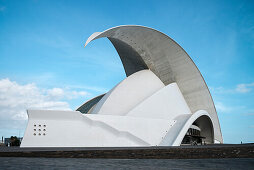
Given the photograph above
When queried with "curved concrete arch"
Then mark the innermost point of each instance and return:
(142, 48)
(201, 118)
(204, 122)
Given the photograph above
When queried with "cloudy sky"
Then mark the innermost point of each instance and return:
(44, 65)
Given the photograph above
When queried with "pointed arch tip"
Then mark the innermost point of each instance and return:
(92, 37)
(96, 35)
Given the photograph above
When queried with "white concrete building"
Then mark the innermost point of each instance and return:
(163, 101)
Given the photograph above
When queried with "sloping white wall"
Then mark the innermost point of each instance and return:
(167, 103)
(150, 130)
(72, 129)
(128, 93)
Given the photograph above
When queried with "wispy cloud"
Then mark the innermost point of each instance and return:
(221, 90)
(249, 114)
(56, 41)
(240, 88)
(59, 93)
(92, 88)
(244, 88)
(2, 8)
(222, 107)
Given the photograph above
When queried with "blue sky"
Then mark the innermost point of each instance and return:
(43, 63)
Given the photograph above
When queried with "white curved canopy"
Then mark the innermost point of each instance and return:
(145, 48)
(128, 93)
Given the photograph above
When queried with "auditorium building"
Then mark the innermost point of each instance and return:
(163, 101)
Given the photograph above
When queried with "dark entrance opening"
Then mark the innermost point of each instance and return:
(193, 136)
(200, 132)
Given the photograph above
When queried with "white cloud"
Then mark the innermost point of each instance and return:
(222, 108)
(75, 94)
(240, 88)
(16, 98)
(220, 90)
(56, 93)
(244, 88)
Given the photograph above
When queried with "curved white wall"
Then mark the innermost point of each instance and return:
(167, 103)
(128, 93)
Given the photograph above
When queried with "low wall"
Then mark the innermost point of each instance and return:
(182, 152)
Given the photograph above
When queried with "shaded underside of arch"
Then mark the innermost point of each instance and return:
(145, 48)
(87, 106)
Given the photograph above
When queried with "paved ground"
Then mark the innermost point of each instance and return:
(181, 152)
(18, 149)
(111, 164)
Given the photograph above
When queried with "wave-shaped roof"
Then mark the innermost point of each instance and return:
(142, 48)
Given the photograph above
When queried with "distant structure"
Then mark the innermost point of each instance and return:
(2, 141)
(163, 101)
(12, 141)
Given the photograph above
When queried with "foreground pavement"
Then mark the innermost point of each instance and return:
(179, 152)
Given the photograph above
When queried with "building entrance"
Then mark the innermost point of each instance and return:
(193, 137)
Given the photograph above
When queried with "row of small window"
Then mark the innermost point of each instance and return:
(193, 132)
(40, 134)
(40, 129)
(40, 125)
